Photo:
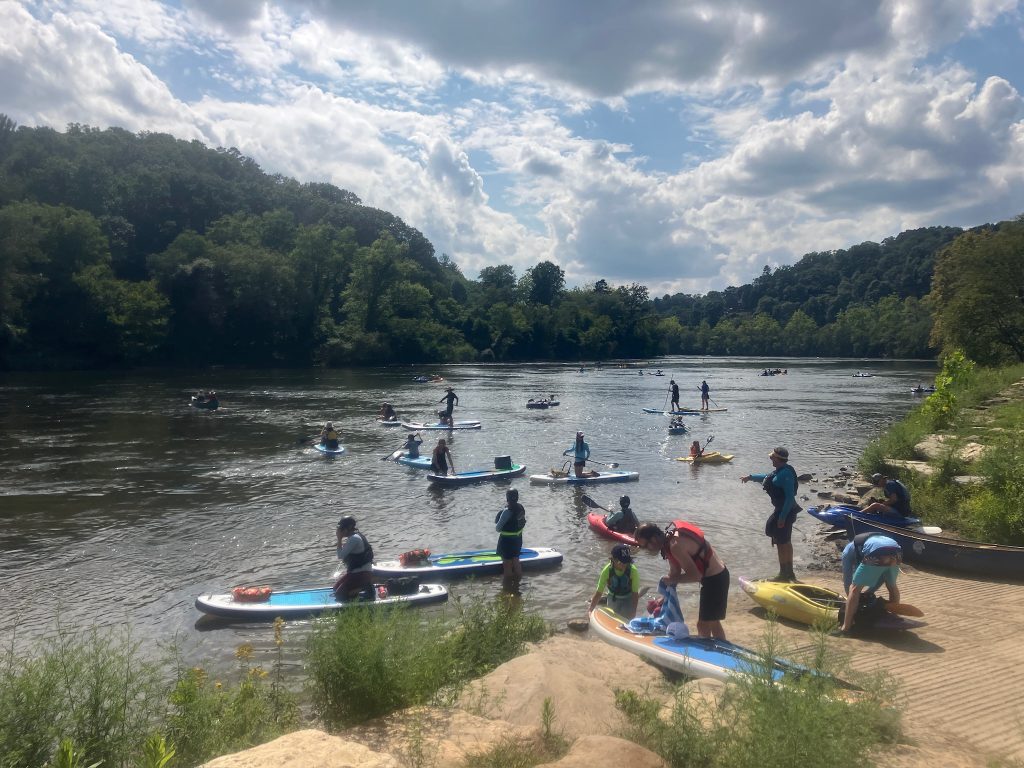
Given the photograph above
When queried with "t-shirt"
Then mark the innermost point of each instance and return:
(871, 577)
(899, 490)
(606, 572)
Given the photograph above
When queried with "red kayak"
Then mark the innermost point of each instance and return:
(596, 520)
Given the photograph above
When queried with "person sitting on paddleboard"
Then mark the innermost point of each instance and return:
(387, 413)
(451, 400)
(691, 559)
(355, 551)
(674, 389)
(621, 580)
(412, 446)
(329, 437)
(624, 520)
(441, 460)
(695, 450)
(897, 497)
(870, 560)
(580, 452)
(509, 523)
(780, 485)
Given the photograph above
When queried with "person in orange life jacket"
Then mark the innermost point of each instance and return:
(780, 485)
(691, 559)
(355, 551)
(509, 524)
(441, 461)
(695, 450)
(621, 580)
(329, 437)
(624, 520)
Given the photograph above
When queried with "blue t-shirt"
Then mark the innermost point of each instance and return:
(871, 577)
(899, 490)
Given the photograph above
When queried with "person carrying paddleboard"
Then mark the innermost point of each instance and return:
(451, 400)
(509, 523)
(780, 485)
(441, 460)
(355, 551)
(691, 559)
(620, 579)
(705, 395)
(674, 389)
(622, 521)
(870, 560)
(580, 453)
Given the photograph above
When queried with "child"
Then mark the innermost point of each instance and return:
(695, 450)
(622, 581)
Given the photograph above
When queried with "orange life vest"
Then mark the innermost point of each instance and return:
(704, 552)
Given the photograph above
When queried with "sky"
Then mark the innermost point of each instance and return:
(681, 145)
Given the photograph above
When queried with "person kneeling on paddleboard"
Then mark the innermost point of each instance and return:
(621, 580)
(691, 559)
(870, 560)
(580, 453)
(624, 520)
(355, 551)
(412, 446)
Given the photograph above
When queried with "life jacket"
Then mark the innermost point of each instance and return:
(516, 521)
(703, 557)
(414, 557)
(777, 494)
(250, 594)
(359, 559)
(620, 584)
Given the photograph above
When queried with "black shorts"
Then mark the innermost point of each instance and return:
(779, 535)
(509, 547)
(714, 596)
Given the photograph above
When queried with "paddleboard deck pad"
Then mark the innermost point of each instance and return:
(473, 563)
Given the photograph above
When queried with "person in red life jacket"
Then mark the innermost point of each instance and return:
(355, 551)
(691, 559)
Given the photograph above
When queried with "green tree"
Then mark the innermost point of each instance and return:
(547, 282)
(976, 294)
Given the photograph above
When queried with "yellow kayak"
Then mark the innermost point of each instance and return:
(804, 603)
(711, 457)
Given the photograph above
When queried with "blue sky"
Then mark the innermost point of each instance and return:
(682, 145)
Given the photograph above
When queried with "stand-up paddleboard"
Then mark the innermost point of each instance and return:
(296, 603)
(329, 451)
(709, 457)
(389, 422)
(836, 515)
(556, 477)
(479, 562)
(692, 656)
(478, 475)
(685, 411)
(596, 522)
(417, 427)
(810, 604)
(420, 462)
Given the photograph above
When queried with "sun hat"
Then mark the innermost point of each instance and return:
(779, 453)
(621, 553)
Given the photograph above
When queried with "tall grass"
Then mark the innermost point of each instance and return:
(758, 723)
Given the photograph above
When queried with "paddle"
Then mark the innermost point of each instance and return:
(393, 456)
(609, 464)
(709, 396)
(593, 504)
(904, 609)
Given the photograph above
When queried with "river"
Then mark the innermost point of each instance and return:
(119, 503)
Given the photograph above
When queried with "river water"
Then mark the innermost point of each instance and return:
(119, 503)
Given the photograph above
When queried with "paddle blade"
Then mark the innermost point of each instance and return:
(904, 609)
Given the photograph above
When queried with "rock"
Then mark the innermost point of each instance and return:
(862, 488)
(842, 498)
(306, 749)
(805, 478)
(606, 752)
(921, 467)
(971, 452)
(579, 625)
(968, 480)
(824, 494)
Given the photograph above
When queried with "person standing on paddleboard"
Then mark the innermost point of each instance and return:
(780, 485)
(621, 580)
(674, 389)
(451, 400)
(691, 559)
(580, 453)
(509, 523)
(355, 551)
(705, 395)
(441, 460)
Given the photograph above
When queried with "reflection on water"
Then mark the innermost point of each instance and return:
(120, 504)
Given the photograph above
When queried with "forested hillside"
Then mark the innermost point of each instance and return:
(139, 249)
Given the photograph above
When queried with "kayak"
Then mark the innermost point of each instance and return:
(420, 462)
(296, 603)
(416, 427)
(205, 405)
(919, 391)
(709, 457)
(809, 604)
(474, 563)
(677, 430)
(692, 656)
(477, 475)
(542, 403)
(863, 375)
(596, 522)
(329, 451)
(604, 476)
(836, 515)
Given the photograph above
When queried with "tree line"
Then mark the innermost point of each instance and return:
(122, 249)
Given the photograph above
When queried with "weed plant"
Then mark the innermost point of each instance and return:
(548, 747)
(761, 723)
